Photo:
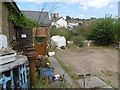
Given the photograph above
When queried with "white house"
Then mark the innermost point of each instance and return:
(60, 23)
(73, 23)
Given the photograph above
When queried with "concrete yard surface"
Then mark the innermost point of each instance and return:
(100, 62)
(92, 82)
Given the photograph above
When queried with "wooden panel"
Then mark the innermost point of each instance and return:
(27, 41)
(41, 32)
(41, 47)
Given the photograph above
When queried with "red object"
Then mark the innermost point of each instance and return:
(31, 54)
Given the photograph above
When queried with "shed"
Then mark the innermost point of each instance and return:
(40, 39)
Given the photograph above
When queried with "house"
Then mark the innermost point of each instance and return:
(7, 27)
(54, 15)
(61, 22)
(11, 24)
(73, 23)
(12, 66)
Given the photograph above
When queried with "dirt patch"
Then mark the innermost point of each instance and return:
(96, 61)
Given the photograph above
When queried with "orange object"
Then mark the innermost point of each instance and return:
(40, 39)
(31, 55)
(41, 48)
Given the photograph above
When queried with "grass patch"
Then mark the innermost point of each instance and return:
(103, 47)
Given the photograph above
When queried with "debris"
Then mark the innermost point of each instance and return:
(70, 42)
(51, 53)
(88, 43)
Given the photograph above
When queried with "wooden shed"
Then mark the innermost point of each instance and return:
(40, 39)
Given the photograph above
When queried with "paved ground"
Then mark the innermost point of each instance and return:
(91, 82)
(96, 61)
(59, 70)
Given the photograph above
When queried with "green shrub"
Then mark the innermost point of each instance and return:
(85, 29)
(39, 82)
(62, 32)
(103, 32)
(116, 30)
(78, 41)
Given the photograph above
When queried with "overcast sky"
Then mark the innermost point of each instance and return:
(73, 8)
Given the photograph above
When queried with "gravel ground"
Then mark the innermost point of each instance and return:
(96, 61)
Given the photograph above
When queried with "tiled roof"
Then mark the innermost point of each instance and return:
(35, 15)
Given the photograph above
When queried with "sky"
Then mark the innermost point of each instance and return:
(73, 8)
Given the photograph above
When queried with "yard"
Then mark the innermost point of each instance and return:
(101, 62)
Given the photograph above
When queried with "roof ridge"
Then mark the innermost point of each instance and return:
(33, 11)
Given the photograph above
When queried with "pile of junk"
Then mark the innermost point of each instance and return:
(12, 67)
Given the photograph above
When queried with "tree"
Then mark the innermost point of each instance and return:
(116, 31)
(68, 17)
(85, 29)
(92, 18)
(62, 31)
(103, 33)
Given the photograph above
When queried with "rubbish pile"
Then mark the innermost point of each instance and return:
(88, 43)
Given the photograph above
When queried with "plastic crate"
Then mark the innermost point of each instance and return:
(46, 72)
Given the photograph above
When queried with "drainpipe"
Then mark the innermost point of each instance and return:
(31, 55)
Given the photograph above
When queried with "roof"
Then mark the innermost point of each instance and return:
(43, 17)
(74, 21)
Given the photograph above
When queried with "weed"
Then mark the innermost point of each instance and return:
(103, 47)
(39, 83)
